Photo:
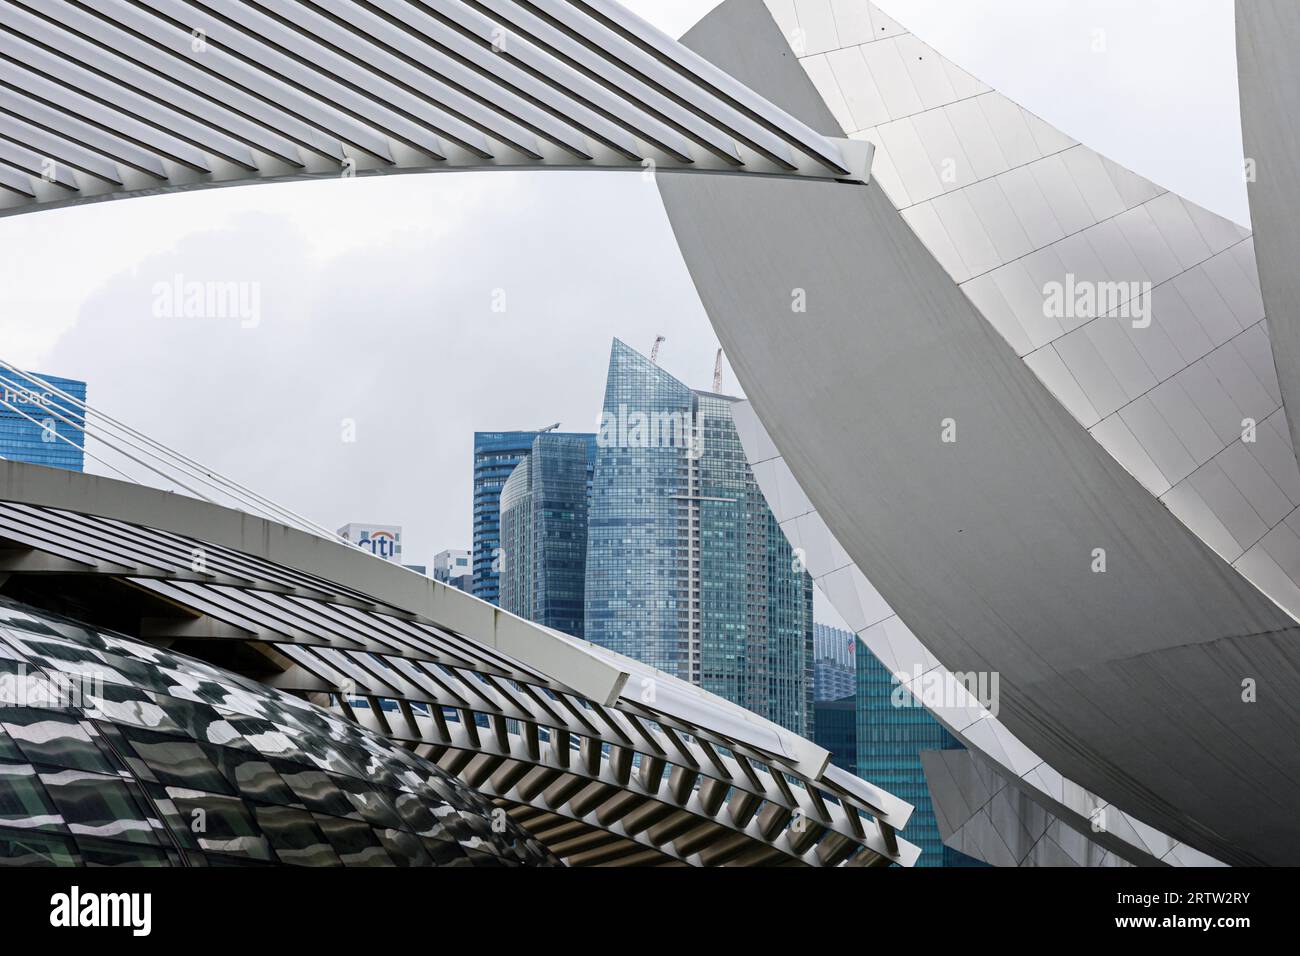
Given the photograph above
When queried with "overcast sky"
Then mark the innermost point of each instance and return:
(376, 293)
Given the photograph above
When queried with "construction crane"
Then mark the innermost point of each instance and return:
(654, 351)
(717, 373)
(548, 428)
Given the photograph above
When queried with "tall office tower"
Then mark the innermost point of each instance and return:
(834, 663)
(835, 728)
(892, 730)
(38, 426)
(687, 569)
(452, 567)
(495, 457)
(544, 533)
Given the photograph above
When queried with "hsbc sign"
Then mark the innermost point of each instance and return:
(17, 395)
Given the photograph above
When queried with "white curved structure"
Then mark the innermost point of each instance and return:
(1100, 511)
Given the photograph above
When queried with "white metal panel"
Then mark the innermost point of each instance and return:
(1185, 421)
(818, 25)
(925, 223)
(926, 70)
(988, 298)
(1031, 206)
(1154, 434)
(1047, 365)
(1092, 373)
(967, 231)
(858, 88)
(999, 220)
(942, 145)
(1062, 192)
(972, 128)
(1090, 176)
(892, 79)
(852, 22)
(1121, 356)
(1148, 244)
(919, 174)
(1010, 129)
(1116, 438)
(1203, 298)
(1184, 239)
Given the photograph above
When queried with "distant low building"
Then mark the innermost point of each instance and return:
(381, 540)
(453, 567)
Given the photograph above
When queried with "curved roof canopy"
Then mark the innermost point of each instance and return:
(604, 759)
(122, 98)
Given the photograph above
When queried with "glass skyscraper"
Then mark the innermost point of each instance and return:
(835, 728)
(834, 663)
(892, 730)
(543, 532)
(687, 569)
(495, 457)
(32, 428)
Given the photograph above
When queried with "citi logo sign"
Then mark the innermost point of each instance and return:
(382, 544)
(76, 909)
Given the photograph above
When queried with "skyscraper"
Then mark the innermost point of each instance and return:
(543, 531)
(32, 421)
(687, 569)
(892, 730)
(835, 728)
(495, 457)
(834, 663)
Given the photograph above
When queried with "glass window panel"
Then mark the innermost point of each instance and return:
(182, 763)
(55, 739)
(252, 776)
(316, 790)
(354, 841)
(295, 836)
(23, 801)
(96, 805)
(221, 824)
(33, 848)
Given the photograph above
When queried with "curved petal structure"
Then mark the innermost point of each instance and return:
(1109, 529)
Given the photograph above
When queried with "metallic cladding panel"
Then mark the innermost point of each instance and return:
(1127, 681)
(1268, 74)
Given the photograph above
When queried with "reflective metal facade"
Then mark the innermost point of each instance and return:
(115, 752)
